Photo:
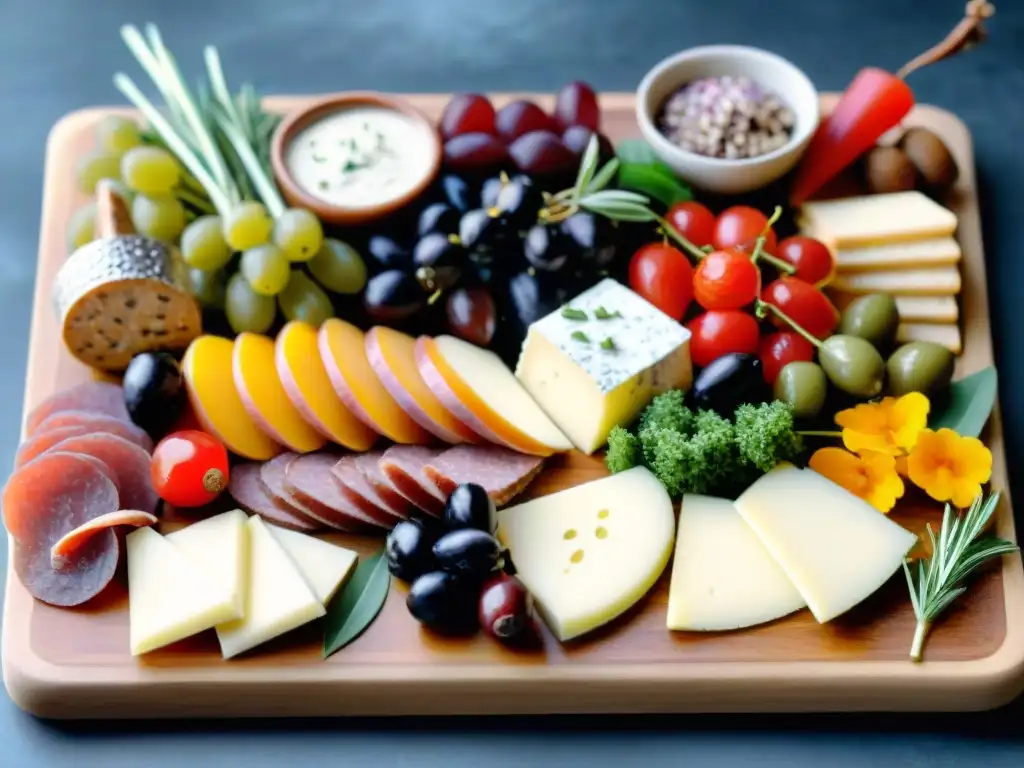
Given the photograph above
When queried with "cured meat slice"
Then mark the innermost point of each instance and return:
(244, 487)
(67, 545)
(43, 441)
(272, 482)
(128, 463)
(98, 422)
(93, 396)
(501, 472)
(368, 465)
(309, 479)
(358, 490)
(403, 466)
(48, 497)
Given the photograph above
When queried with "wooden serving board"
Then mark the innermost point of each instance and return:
(75, 663)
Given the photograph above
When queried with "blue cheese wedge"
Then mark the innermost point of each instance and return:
(599, 360)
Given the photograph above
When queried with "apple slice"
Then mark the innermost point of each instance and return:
(264, 397)
(305, 380)
(476, 386)
(392, 356)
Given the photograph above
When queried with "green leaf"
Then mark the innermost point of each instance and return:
(653, 181)
(603, 177)
(968, 404)
(355, 607)
(635, 151)
(588, 166)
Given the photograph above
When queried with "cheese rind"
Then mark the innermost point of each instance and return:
(220, 546)
(587, 554)
(876, 219)
(935, 281)
(587, 389)
(835, 547)
(323, 565)
(723, 578)
(947, 335)
(938, 252)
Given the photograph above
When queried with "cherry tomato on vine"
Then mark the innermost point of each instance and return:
(806, 305)
(739, 227)
(726, 280)
(189, 468)
(812, 259)
(718, 332)
(693, 221)
(663, 276)
(778, 349)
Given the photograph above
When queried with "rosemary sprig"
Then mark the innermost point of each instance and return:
(939, 580)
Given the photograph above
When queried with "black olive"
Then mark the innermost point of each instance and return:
(469, 506)
(457, 192)
(469, 553)
(490, 190)
(409, 549)
(436, 250)
(519, 201)
(546, 248)
(438, 217)
(729, 382)
(444, 603)
(481, 230)
(154, 392)
(387, 253)
(592, 237)
(393, 295)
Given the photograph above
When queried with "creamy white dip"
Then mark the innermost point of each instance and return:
(361, 156)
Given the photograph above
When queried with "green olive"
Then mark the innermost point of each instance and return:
(920, 366)
(873, 318)
(804, 386)
(852, 364)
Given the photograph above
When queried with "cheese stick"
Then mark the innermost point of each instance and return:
(938, 252)
(935, 281)
(946, 335)
(867, 220)
(912, 309)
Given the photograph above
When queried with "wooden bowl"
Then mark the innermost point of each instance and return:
(328, 212)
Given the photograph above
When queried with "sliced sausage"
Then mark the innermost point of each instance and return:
(98, 422)
(368, 465)
(244, 487)
(308, 478)
(358, 490)
(403, 466)
(503, 473)
(272, 481)
(94, 396)
(43, 441)
(128, 463)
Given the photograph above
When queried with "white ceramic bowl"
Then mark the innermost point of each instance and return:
(772, 72)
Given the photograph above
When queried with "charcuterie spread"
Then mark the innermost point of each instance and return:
(336, 370)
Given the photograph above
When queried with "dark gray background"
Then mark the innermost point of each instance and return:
(59, 55)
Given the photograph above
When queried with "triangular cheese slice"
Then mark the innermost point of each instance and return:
(835, 547)
(278, 599)
(170, 597)
(220, 545)
(323, 565)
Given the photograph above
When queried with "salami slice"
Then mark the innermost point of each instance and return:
(272, 482)
(358, 490)
(368, 465)
(128, 463)
(502, 473)
(47, 498)
(244, 487)
(98, 422)
(309, 479)
(93, 396)
(43, 441)
(68, 545)
(403, 466)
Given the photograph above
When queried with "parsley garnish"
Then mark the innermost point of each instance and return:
(570, 313)
(608, 343)
(580, 336)
(603, 314)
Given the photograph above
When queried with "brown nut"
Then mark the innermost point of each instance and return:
(931, 158)
(888, 169)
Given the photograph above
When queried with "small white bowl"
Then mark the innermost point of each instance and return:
(774, 73)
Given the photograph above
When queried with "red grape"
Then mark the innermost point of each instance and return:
(803, 303)
(693, 221)
(720, 332)
(739, 227)
(472, 315)
(726, 280)
(779, 349)
(577, 137)
(467, 113)
(576, 104)
(662, 275)
(474, 152)
(541, 153)
(519, 117)
(812, 258)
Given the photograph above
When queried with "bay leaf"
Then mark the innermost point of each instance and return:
(655, 181)
(354, 608)
(635, 151)
(968, 404)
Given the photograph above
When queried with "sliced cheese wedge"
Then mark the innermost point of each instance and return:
(342, 349)
(912, 309)
(170, 597)
(480, 391)
(323, 565)
(868, 220)
(946, 335)
(938, 252)
(835, 547)
(936, 281)
(278, 599)
(305, 380)
(723, 578)
(263, 395)
(220, 546)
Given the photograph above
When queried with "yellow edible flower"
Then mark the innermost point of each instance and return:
(890, 426)
(949, 467)
(870, 475)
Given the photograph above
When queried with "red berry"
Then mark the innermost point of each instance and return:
(804, 304)
(726, 280)
(189, 468)
(576, 104)
(719, 332)
(662, 275)
(505, 608)
(739, 227)
(812, 259)
(467, 113)
(519, 117)
(693, 221)
(780, 348)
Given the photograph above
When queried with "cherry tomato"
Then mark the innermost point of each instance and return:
(781, 348)
(189, 468)
(693, 221)
(720, 331)
(806, 306)
(726, 280)
(740, 226)
(663, 276)
(812, 259)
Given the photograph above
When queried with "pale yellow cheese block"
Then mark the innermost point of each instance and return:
(867, 220)
(937, 252)
(935, 281)
(912, 309)
(325, 566)
(947, 335)
(220, 546)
